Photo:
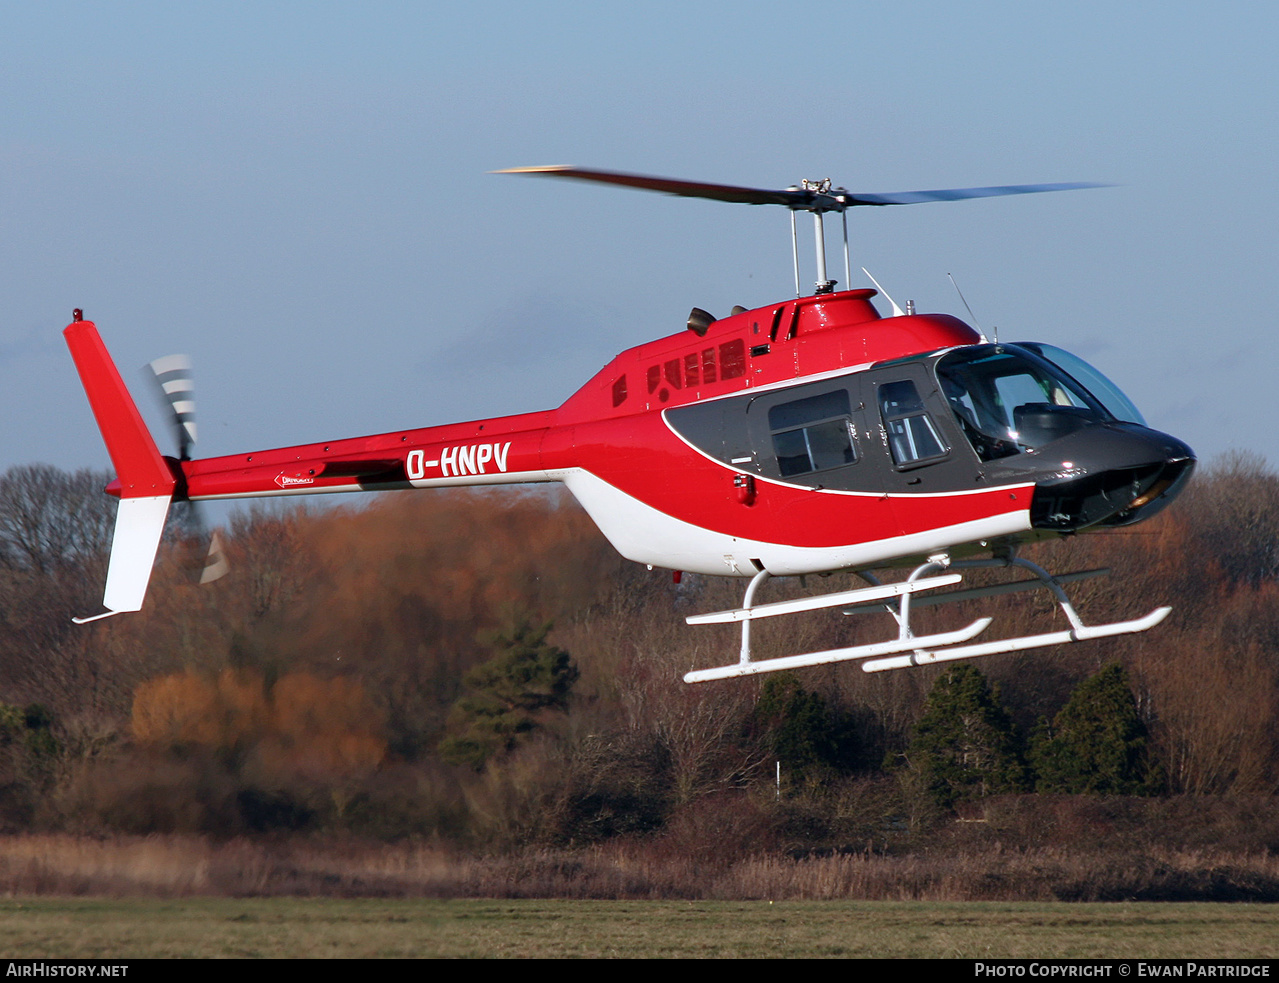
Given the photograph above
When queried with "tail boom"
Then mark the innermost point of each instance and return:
(507, 450)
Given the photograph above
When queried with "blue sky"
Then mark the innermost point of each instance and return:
(297, 195)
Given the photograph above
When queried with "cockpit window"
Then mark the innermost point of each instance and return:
(1008, 399)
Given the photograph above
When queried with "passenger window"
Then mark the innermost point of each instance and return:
(912, 436)
(812, 434)
(732, 359)
(691, 365)
(619, 390)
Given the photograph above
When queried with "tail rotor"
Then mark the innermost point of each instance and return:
(176, 387)
(173, 376)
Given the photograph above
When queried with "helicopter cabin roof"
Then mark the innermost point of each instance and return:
(789, 340)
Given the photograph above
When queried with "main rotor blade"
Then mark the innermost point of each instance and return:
(958, 194)
(832, 200)
(672, 186)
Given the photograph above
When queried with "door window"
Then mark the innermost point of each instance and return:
(812, 434)
(912, 435)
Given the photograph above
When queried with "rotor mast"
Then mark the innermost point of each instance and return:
(823, 199)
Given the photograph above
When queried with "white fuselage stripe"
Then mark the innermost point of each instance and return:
(643, 534)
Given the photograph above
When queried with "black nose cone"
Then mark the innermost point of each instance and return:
(1107, 474)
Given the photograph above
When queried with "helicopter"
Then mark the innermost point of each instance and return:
(809, 436)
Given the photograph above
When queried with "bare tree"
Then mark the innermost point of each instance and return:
(51, 520)
(1234, 508)
(55, 534)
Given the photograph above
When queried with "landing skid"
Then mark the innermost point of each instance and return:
(909, 649)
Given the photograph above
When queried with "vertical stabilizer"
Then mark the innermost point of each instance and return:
(141, 468)
(146, 482)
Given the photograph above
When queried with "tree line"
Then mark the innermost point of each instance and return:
(481, 667)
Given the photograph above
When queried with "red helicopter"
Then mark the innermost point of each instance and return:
(808, 436)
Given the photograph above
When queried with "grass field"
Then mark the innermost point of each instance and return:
(317, 928)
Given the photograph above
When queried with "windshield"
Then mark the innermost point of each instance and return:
(1120, 406)
(1009, 399)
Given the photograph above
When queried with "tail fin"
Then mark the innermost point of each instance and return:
(145, 480)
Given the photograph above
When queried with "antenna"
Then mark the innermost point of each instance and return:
(897, 311)
(969, 309)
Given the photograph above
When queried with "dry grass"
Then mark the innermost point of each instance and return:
(121, 930)
(175, 896)
(175, 866)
